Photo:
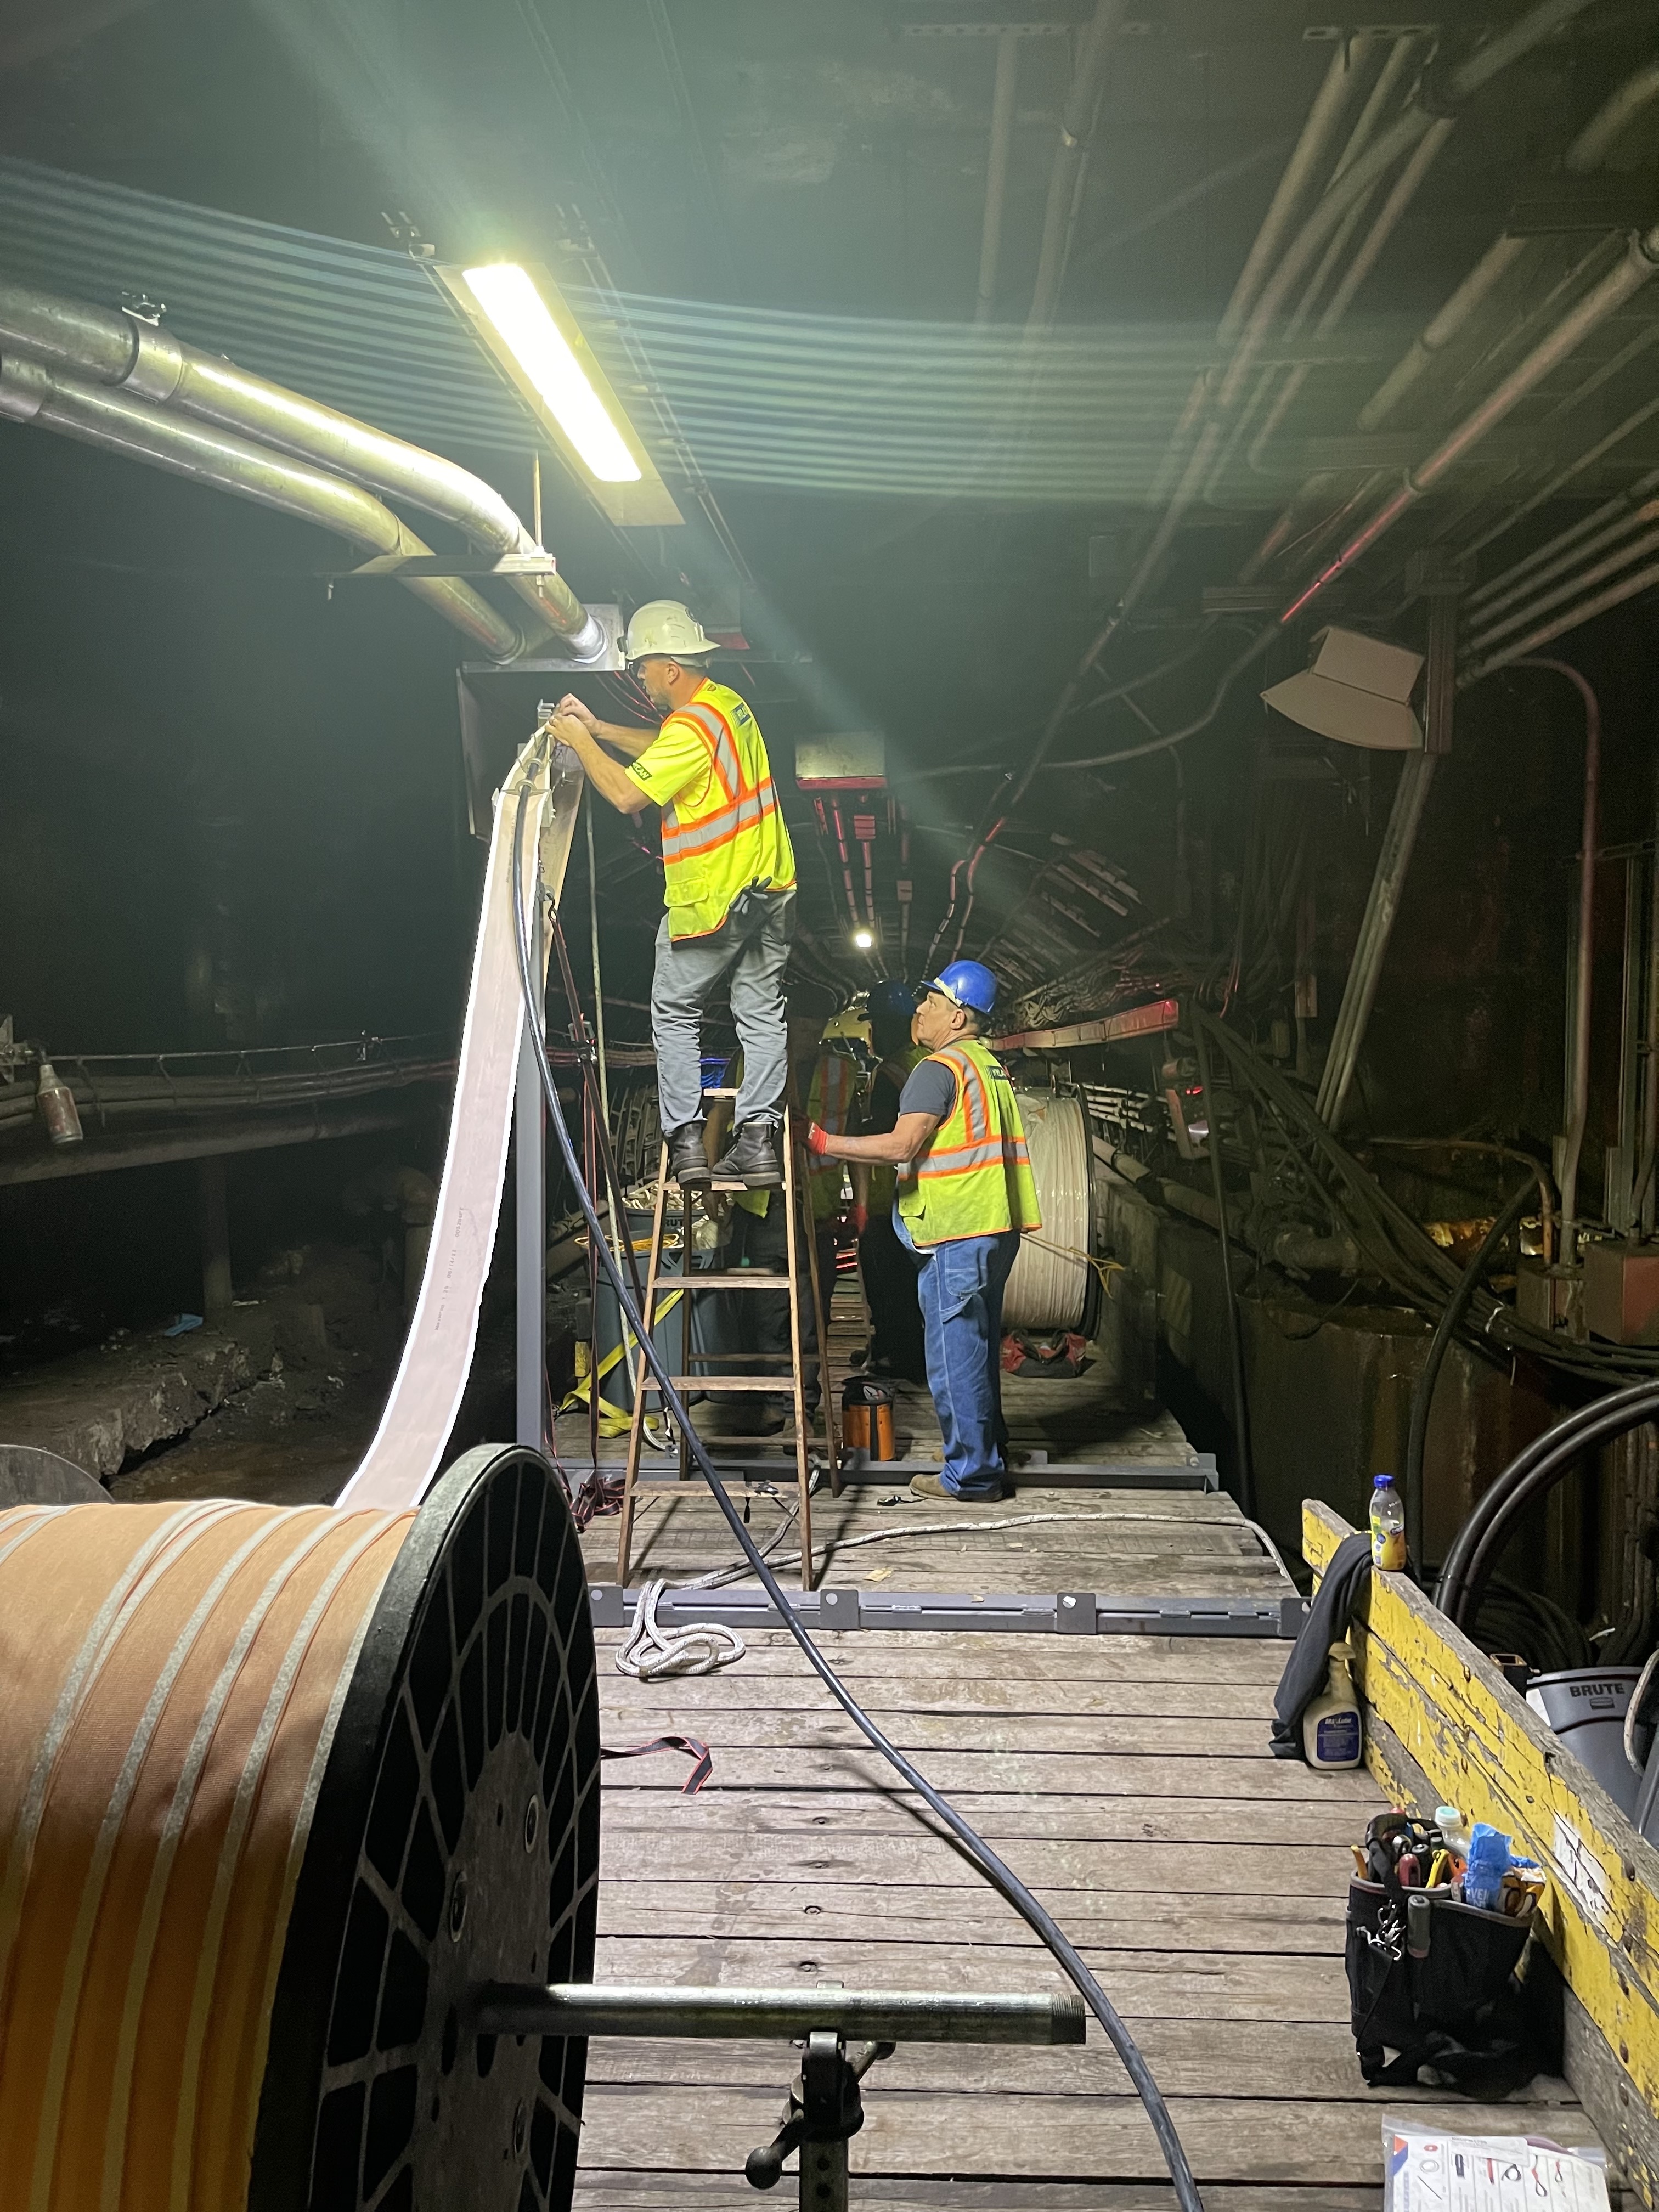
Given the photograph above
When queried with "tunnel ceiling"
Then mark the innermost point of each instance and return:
(788, 198)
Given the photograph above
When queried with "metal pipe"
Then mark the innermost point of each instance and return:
(1403, 192)
(1477, 70)
(1583, 955)
(1388, 885)
(1076, 119)
(1532, 561)
(1596, 140)
(1364, 129)
(1302, 173)
(1437, 333)
(996, 172)
(1636, 267)
(1643, 1197)
(122, 423)
(114, 348)
(1493, 629)
(568, 2008)
(1229, 1289)
(1581, 612)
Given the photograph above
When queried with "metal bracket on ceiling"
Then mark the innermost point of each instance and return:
(403, 565)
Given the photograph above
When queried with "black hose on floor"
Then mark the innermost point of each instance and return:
(1001, 1878)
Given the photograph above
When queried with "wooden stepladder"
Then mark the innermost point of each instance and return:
(663, 1284)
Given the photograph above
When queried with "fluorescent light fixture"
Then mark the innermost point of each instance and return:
(520, 317)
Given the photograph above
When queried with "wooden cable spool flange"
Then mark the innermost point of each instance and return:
(278, 1788)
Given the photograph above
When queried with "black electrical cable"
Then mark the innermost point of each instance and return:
(1423, 1395)
(1001, 1878)
(1481, 1539)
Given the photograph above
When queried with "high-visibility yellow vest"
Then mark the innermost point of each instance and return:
(884, 1179)
(734, 834)
(831, 1099)
(975, 1178)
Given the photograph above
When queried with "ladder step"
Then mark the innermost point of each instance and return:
(775, 1386)
(748, 1279)
(749, 1358)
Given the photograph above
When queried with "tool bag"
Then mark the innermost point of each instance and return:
(1465, 2008)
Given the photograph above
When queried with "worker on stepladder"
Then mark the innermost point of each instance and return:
(729, 888)
(889, 1273)
(966, 1195)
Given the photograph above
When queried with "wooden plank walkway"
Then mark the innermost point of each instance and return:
(1127, 1779)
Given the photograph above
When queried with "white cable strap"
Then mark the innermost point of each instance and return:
(653, 1652)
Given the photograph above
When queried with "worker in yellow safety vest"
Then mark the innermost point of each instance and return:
(729, 883)
(966, 1195)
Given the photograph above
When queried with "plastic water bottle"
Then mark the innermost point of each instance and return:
(1387, 1526)
(1455, 1830)
(1489, 1862)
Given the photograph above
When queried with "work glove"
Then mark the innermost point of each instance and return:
(817, 1138)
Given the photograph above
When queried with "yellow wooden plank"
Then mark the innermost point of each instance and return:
(1483, 1748)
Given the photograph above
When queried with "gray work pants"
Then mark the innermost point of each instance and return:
(754, 957)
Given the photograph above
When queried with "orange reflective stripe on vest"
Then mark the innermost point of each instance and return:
(975, 1179)
(733, 835)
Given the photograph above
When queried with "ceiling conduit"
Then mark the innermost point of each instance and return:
(116, 349)
(121, 422)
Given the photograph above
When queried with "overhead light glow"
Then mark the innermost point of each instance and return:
(521, 319)
(864, 940)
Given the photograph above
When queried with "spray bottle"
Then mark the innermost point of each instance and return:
(1330, 1726)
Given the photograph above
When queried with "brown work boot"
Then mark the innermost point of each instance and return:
(751, 1158)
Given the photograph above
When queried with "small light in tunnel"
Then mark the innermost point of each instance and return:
(528, 331)
(864, 939)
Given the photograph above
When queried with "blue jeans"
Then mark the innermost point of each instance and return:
(754, 958)
(961, 1286)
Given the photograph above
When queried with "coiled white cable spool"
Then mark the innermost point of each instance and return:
(1049, 1285)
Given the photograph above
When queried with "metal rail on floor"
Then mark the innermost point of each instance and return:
(1066, 1613)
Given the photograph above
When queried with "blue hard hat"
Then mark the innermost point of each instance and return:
(892, 1002)
(966, 983)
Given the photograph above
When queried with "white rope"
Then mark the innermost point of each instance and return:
(653, 1652)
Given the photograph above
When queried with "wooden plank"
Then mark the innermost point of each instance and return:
(1300, 2063)
(1037, 1773)
(1226, 2138)
(734, 1690)
(1150, 1984)
(1023, 1736)
(1235, 1818)
(922, 1914)
(958, 1657)
(611, 2191)
(1479, 1745)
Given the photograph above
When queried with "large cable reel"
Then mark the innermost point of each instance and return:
(278, 1788)
(1051, 1285)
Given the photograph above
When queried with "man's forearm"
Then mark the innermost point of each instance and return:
(611, 782)
(625, 738)
(891, 1149)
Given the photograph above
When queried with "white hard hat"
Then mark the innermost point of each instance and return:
(664, 626)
